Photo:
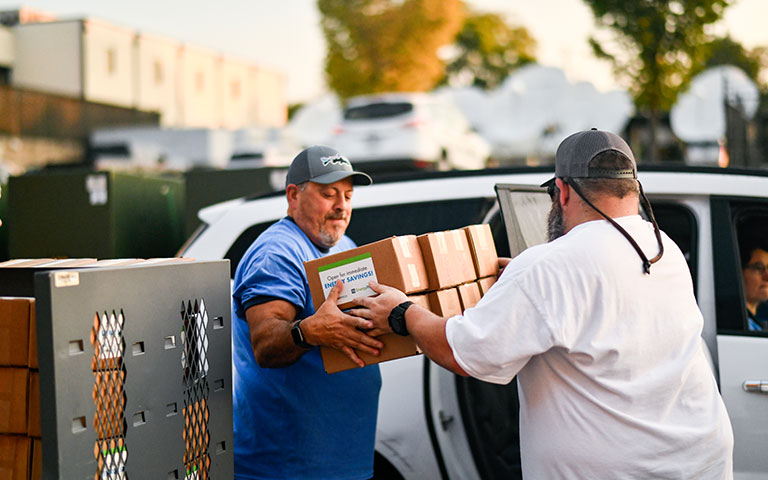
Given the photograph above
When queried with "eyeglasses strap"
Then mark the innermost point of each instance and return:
(646, 263)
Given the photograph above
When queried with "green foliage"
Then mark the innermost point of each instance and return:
(727, 51)
(386, 45)
(657, 45)
(488, 50)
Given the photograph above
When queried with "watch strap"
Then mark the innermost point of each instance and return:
(397, 318)
(298, 335)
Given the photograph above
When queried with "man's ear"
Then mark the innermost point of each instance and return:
(565, 191)
(291, 192)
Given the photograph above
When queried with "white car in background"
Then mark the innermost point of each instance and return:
(433, 424)
(258, 147)
(408, 130)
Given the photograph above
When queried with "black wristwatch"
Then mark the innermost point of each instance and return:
(298, 335)
(397, 318)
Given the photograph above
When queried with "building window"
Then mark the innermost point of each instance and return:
(111, 61)
(157, 68)
(235, 90)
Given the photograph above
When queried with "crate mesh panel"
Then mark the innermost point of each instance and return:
(194, 362)
(109, 395)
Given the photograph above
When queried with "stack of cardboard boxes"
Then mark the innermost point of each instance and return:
(444, 272)
(20, 446)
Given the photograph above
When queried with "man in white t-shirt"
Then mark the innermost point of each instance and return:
(606, 344)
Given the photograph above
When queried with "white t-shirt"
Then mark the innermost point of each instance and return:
(613, 378)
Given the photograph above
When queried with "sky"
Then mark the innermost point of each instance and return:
(285, 34)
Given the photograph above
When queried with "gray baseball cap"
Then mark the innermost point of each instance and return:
(576, 151)
(324, 165)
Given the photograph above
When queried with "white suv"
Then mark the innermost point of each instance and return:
(435, 425)
(411, 130)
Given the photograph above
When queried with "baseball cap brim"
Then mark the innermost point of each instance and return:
(548, 182)
(358, 178)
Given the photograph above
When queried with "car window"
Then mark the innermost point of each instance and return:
(679, 223)
(238, 248)
(374, 223)
(377, 110)
(739, 234)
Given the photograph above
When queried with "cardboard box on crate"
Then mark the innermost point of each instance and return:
(447, 259)
(18, 341)
(14, 400)
(15, 457)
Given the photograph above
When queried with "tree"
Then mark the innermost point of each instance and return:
(487, 50)
(658, 46)
(727, 51)
(386, 45)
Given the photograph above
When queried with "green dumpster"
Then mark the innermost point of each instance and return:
(85, 213)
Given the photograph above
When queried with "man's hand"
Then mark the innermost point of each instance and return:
(331, 327)
(503, 262)
(426, 328)
(378, 308)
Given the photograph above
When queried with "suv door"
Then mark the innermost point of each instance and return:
(743, 353)
(476, 426)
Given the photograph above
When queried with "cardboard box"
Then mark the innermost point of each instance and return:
(14, 457)
(469, 295)
(394, 261)
(16, 316)
(483, 250)
(485, 284)
(447, 259)
(14, 384)
(32, 361)
(395, 346)
(36, 469)
(445, 303)
(33, 405)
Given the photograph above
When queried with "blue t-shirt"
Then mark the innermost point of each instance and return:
(296, 422)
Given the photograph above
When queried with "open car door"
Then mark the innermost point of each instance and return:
(476, 425)
(524, 211)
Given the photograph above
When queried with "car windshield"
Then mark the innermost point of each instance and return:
(377, 110)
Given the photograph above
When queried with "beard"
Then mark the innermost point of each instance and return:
(555, 222)
(330, 237)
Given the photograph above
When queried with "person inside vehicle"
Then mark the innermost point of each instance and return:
(601, 327)
(291, 419)
(754, 271)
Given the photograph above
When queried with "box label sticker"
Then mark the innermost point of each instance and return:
(414, 275)
(66, 279)
(404, 247)
(441, 243)
(457, 240)
(354, 272)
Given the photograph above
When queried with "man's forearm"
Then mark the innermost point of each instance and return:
(428, 331)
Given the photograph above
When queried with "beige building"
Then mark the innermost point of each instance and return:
(97, 61)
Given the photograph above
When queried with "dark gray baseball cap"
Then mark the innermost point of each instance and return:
(576, 151)
(324, 165)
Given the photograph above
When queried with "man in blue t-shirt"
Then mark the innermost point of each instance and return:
(291, 419)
